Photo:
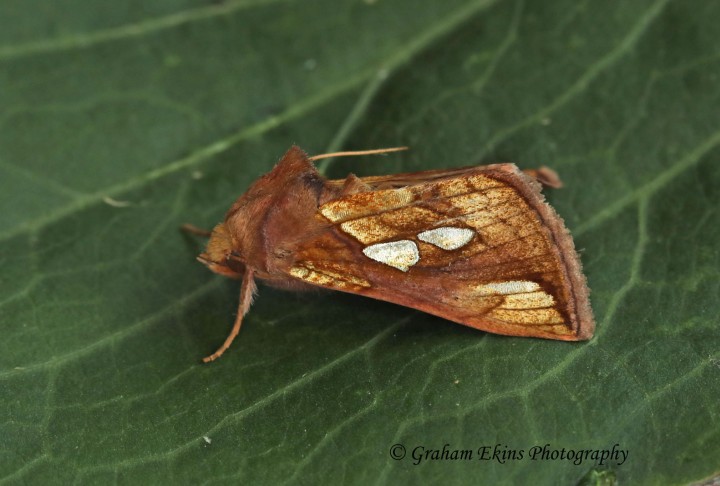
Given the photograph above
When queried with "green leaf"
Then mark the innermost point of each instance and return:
(122, 121)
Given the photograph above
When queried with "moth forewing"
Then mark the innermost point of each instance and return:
(478, 245)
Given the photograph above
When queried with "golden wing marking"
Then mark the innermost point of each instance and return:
(327, 276)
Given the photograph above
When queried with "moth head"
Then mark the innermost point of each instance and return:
(220, 255)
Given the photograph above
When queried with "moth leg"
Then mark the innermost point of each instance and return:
(247, 290)
(191, 229)
(545, 176)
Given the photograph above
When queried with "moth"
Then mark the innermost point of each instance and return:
(475, 245)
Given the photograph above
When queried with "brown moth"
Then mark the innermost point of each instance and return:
(476, 245)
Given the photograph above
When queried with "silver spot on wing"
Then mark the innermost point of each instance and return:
(401, 254)
(447, 237)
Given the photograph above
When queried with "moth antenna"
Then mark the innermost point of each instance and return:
(247, 290)
(358, 152)
(191, 229)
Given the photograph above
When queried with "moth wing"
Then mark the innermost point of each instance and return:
(478, 246)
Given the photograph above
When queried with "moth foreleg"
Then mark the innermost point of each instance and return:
(247, 290)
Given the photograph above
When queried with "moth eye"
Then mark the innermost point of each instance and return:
(233, 255)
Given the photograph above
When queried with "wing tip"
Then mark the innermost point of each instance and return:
(581, 315)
